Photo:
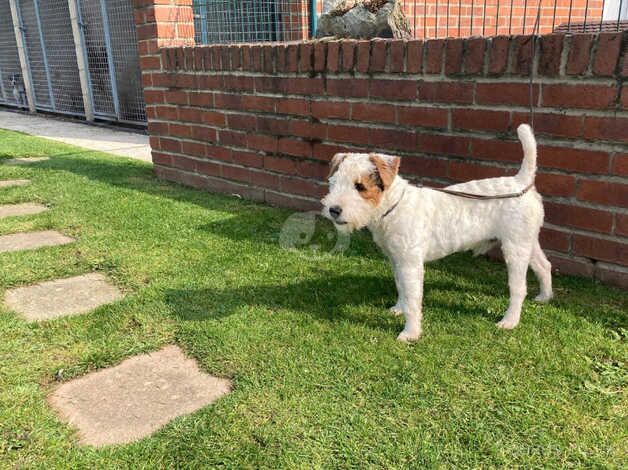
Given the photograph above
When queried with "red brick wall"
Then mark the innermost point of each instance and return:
(263, 120)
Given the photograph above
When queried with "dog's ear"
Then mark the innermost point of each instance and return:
(387, 167)
(335, 163)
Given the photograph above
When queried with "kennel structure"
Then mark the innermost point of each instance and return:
(72, 57)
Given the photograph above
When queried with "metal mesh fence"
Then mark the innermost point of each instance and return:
(109, 41)
(11, 84)
(229, 21)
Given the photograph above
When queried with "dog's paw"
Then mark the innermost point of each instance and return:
(396, 310)
(507, 323)
(544, 298)
(409, 336)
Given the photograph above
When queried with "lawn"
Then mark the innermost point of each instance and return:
(319, 380)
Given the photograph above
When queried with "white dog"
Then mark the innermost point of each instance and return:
(413, 225)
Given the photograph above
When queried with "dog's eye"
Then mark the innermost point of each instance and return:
(360, 187)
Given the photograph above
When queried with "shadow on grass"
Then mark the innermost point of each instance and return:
(262, 224)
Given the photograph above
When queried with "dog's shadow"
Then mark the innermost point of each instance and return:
(330, 299)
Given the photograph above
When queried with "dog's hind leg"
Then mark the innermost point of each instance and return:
(517, 259)
(410, 278)
(543, 270)
(397, 309)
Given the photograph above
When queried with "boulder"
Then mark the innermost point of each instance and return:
(364, 19)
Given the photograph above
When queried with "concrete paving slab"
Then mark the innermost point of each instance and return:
(62, 297)
(135, 398)
(27, 208)
(127, 144)
(25, 160)
(13, 183)
(32, 240)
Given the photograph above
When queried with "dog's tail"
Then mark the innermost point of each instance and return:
(527, 172)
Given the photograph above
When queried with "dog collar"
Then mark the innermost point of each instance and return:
(396, 204)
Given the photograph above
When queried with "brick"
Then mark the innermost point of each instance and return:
(205, 134)
(269, 58)
(310, 169)
(155, 128)
(304, 86)
(232, 138)
(378, 59)
(446, 92)
(578, 217)
(235, 52)
(601, 249)
(297, 203)
(348, 87)
(280, 164)
(190, 114)
(572, 159)
(306, 57)
(454, 56)
(295, 147)
(554, 124)
(167, 113)
(202, 99)
(505, 94)
(241, 121)
(180, 130)
(423, 117)
(624, 89)
(176, 97)
(292, 58)
(397, 62)
(620, 165)
(606, 128)
(522, 55)
(498, 55)
(259, 103)
(550, 53)
(621, 225)
(170, 145)
(213, 118)
(154, 96)
(271, 125)
(363, 52)
(497, 150)
(280, 55)
(603, 192)
(554, 240)
(370, 112)
(444, 144)
(209, 168)
(349, 134)
(320, 56)
(218, 152)
(302, 186)
(294, 106)
(249, 159)
(414, 56)
(569, 265)
(330, 110)
(348, 52)
(434, 56)
(607, 53)
(236, 173)
(195, 149)
(552, 184)
(579, 54)
(465, 171)
(265, 143)
(393, 139)
(393, 89)
(425, 167)
(325, 152)
(479, 119)
(613, 276)
(265, 180)
(333, 56)
(579, 96)
(474, 56)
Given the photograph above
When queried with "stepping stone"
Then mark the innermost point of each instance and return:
(32, 240)
(28, 208)
(12, 183)
(25, 160)
(62, 297)
(135, 398)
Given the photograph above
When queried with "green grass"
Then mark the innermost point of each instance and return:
(319, 380)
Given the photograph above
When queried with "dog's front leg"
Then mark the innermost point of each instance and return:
(410, 284)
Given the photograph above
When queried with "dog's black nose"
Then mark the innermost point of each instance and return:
(335, 211)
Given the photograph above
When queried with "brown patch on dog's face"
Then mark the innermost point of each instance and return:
(370, 188)
(387, 169)
(335, 163)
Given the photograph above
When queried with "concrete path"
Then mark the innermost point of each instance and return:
(24, 160)
(32, 240)
(27, 208)
(13, 183)
(135, 398)
(62, 297)
(105, 139)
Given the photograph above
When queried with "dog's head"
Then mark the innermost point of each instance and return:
(357, 186)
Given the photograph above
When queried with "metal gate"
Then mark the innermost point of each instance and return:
(106, 40)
